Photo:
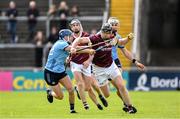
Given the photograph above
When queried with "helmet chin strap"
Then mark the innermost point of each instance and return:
(68, 38)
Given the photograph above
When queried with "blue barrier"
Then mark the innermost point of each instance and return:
(154, 80)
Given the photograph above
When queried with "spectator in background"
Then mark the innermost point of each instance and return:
(53, 37)
(63, 14)
(74, 11)
(12, 22)
(52, 10)
(3, 13)
(39, 39)
(32, 15)
(39, 42)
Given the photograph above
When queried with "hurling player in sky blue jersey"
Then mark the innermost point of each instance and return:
(55, 72)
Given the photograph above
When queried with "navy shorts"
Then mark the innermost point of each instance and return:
(52, 78)
(118, 63)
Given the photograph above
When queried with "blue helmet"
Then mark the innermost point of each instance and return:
(64, 32)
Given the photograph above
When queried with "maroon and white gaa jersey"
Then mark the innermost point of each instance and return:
(80, 58)
(103, 57)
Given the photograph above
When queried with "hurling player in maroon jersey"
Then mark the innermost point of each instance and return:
(81, 67)
(104, 66)
(115, 26)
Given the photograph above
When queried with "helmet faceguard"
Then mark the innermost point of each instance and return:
(73, 21)
(113, 21)
(106, 28)
(76, 21)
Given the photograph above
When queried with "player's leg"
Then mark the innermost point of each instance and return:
(98, 90)
(118, 64)
(115, 74)
(102, 77)
(77, 92)
(76, 69)
(52, 79)
(105, 90)
(94, 99)
(66, 82)
(95, 86)
(125, 108)
(54, 91)
(117, 92)
(81, 88)
(124, 94)
(57, 92)
(88, 82)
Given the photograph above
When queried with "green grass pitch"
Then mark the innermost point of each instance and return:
(31, 105)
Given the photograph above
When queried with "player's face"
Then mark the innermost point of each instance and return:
(75, 27)
(106, 35)
(69, 38)
(115, 26)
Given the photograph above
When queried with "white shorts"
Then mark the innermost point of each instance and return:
(80, 68)
(102, 74)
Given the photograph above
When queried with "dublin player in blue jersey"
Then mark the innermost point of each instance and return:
(114, 53)
(55, 72)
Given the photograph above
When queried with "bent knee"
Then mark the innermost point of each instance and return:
(60, 97)
(70, 90)
(106, 95)
(80, 85)
(87, 88)
(122, 87)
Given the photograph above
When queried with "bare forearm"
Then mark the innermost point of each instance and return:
(127, 54)
(123, 41)
(82, 40)
(80, 47)
(91, 58)
(75, 43)
(89, 51)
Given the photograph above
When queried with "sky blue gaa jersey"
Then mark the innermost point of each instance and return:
(114, 50)
(57, 57)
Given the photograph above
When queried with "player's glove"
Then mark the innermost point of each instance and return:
(73, 51)
(92, 51)
(130, 36)
(114, 42)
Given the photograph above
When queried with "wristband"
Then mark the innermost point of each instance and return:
(134, 60)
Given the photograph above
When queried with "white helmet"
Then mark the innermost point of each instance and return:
(113, 20)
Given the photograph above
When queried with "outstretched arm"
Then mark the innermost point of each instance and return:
(129, 56)
(124, 41)
(75, 50)
(80, 40)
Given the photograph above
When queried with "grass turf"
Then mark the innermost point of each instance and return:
(156, 105)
